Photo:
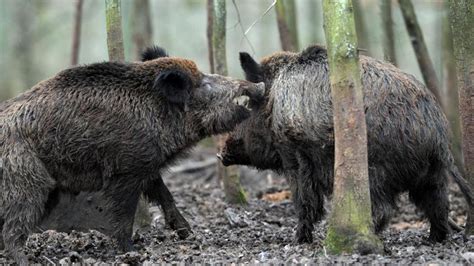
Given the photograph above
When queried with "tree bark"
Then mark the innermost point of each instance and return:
(361, 28)
(217, 44)
(142, 31)
(286, 20)
(76, 35)
(421, 51)
(350, 225)
(116, 53)
(462, 21)
(449, 90)
(388, 38)
(114, 30)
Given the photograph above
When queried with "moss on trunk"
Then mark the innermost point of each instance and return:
(113, 20)
(462, 21)
(350, 224)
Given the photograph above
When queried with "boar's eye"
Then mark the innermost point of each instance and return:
(174, 85)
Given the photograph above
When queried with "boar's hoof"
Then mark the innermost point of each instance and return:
(177, 222)
(125, 245)
(303, 235)
(183, 233)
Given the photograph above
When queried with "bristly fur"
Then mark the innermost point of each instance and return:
(115, 128)
(153, 52)
(293, 134)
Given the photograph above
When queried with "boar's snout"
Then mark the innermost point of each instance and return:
(233, 153)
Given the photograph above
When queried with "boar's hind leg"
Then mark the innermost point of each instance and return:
(27, 184)
(123, 199)
(158, 193)
(382, 197)
(432, 199)
(308, 198)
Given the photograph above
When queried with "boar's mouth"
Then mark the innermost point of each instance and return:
(249, 94)
(225, 160)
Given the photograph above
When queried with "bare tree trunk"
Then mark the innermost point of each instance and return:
(76, 35)
(116, 53)
(286, 19)
(114, 30)
(350, 225)
(217, 39)
(23, 46)
(421, 51)
(450, 91)
(388, 38)
(142, 31)
(316, 33)
(210, 22)
(361, 28)
(462, 21)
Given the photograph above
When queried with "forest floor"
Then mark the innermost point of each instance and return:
(261, 232)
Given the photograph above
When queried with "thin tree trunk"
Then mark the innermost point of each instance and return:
(350, 225)
(361, 28)
(421, 51)
(462, 21)
(210, 21)
(76, 35)
(114, 30)
(116, 53)
(287, 25)
(314, 9)
(217, 39)
(450, 91)
(388, 38)
(290, 6)
(23, 46)
(142, 31)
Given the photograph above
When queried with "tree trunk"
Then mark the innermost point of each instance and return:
(141, 27)
(217, 39)
(449, 89)
(314, 9)
(421, 51)
(350, 225)
(116, 53)
(462, 21)
(286, 19)
(388, 38)
(361, 28)
(114, 30)
(76, 35)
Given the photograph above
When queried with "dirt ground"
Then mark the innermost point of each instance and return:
(261, 232)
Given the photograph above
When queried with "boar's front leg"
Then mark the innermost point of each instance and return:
(308, 197)
(123, 195)
(157, 192)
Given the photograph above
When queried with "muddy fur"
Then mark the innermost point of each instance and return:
(292, 133)
(107, 125)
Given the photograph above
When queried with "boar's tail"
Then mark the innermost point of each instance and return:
(462, 183)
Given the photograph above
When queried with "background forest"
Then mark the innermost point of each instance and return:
(34, 46)
(256, 222)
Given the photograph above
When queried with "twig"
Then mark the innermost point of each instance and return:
(49, 260)
(260, 18)
(193, 166)
(239, 22)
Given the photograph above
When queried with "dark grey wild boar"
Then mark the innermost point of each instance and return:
(113, 125)
(292, 133)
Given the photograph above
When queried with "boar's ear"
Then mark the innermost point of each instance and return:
(174, 85)
(253, 71)
(153, 52)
